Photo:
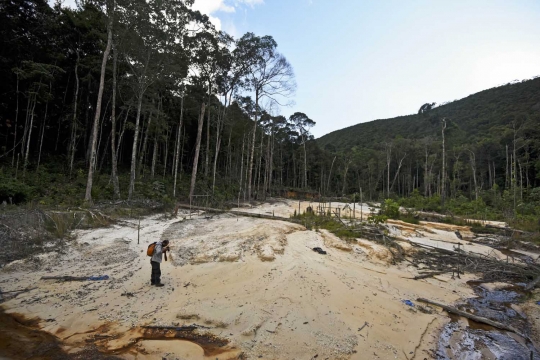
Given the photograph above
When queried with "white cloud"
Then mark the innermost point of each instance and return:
(211, 7)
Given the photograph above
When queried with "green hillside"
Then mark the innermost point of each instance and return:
(477, 116)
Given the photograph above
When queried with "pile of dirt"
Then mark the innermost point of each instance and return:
(227, 238)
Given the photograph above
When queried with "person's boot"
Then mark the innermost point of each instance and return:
(160, 284)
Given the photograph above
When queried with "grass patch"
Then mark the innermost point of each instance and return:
(481, 229)
(409, 219)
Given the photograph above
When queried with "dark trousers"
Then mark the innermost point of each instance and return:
(156, 272)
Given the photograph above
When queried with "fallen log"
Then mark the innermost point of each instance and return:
(65, 278)
(424, 276)
(76, 278)
(176, 328)
(467, 315)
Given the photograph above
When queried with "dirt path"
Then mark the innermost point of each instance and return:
(254, 283)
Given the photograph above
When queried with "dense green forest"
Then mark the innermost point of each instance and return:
(140, 99)
(478, 155)
(146, 99)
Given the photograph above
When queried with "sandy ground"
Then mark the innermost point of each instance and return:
(256, 283)
(287, 208)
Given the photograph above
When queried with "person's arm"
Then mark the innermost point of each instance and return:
(165, 249)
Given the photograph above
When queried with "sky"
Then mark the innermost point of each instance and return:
(360, 60)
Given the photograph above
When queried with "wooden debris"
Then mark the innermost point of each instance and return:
(363, 326)
(65, 278)
(467, 315)
(175, 328)
(424, 276)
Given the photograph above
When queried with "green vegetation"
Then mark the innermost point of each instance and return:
(313, 221)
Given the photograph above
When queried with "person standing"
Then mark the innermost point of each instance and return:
(161, 248)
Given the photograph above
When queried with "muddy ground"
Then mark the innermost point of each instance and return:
(249, 288)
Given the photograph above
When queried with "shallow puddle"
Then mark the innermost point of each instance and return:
(470, 340)
(21, 338)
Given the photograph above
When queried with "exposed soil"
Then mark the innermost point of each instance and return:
(250, 287)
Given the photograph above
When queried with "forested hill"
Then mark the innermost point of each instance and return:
(481, 116)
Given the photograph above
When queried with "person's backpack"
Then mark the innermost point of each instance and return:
(151, 248)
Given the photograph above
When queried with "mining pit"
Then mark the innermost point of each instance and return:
(243, 287)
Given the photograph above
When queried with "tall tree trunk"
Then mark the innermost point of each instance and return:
(472, 159)
(134, 148)
(197, 149)
(114, 159)
(177, 150)
(29, 103)
(104, 157)
(16, 125)
(267, 165)
(43, 129)
(305, 164)
(514, 172)
(443, 174)
(63, 103)
(258, 178)
(397, 172)
(145, 141)
(242, 162)
(229, 156)
(166, 155)
(252, 153)
(182, 151)
(207, 153)
(73, 137)
(29, 137)
(270, 163)
(507, 172)
(121, 136)
(219, 130)
(89, 183)
(347, 163)
(156, 135)
(330, 174)
(100, 132)
(154, 156)
(86, 136)
(388, 161)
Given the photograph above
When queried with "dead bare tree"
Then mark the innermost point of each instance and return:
(270, 75)
(472, 160)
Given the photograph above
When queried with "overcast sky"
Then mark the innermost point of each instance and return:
(357, 61)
